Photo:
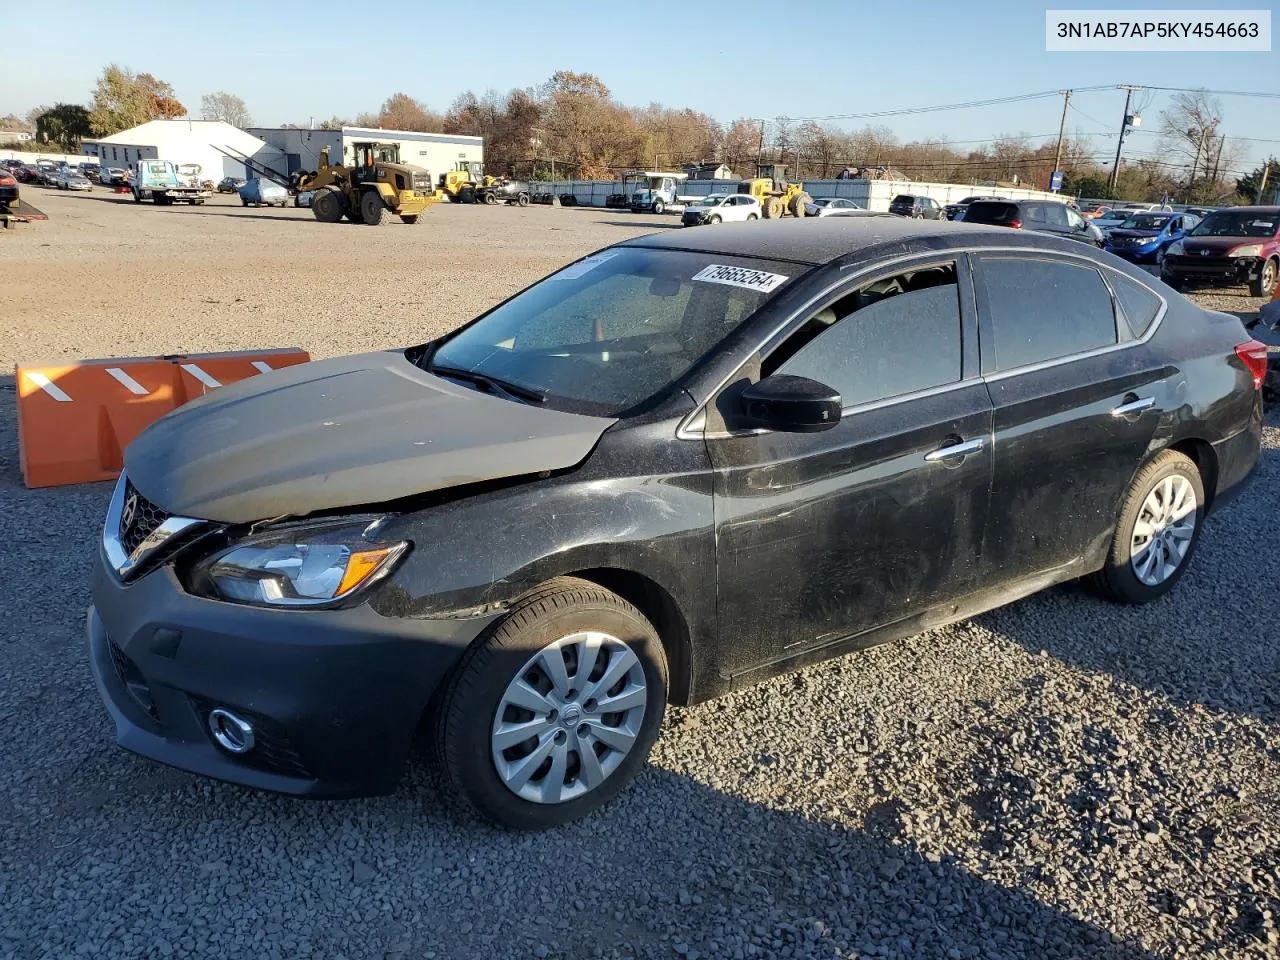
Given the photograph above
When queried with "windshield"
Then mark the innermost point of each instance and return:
(1237, 223)
(712, 201)
(615, 329)
(1145, 222)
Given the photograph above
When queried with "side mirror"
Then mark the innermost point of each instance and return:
(791, 404)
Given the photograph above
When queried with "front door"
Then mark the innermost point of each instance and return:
(825, 536)
(1077, 400)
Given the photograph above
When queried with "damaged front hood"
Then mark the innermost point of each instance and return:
(339, 433)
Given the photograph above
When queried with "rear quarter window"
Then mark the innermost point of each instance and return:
(1139, 305)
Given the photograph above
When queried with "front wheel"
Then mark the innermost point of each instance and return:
(658, 206)
(1266, 281)
(1158, 530)
(326, 206)
(371, 207)
(551, 714)
(714, 218)
(522, 200)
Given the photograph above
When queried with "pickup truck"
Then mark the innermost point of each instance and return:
(158, 181)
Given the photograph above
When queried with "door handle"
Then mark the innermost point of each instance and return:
(955, 451)
(1134, 406)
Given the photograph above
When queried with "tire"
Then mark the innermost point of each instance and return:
(489, 199)
(473, 703)
(799, 205)
(714, 218)
(409, 218)
(1174, 283)
(453, 198)
(466, 195)
(772, 208)
(659, 206)
(522, 200)
(137, 197)
(1265, 283)
(1169, 475)
(244, 202)
(327, 206)
(371, 207)
(752, 216)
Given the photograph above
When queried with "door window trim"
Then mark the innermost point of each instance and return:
(693, 426)
(1122, 343)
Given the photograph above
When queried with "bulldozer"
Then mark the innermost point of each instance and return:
(776, 196)
(376, 182)
(460, 184)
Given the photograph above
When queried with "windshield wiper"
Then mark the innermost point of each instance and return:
(512, 391)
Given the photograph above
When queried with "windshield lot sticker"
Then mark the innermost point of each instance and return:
(575, 270)
(741, 277)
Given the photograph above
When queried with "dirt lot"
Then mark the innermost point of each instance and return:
(1060, 778)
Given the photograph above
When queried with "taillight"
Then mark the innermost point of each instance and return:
(1016, 224)
(1254, 355)
(7, 181)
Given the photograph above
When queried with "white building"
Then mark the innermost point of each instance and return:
(213, 144)
(436, 153)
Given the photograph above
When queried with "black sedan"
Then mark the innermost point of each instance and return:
(673, 468)
(8, 188)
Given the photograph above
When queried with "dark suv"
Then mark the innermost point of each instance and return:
(921, 208)
(1045, 216)
(1230, 246)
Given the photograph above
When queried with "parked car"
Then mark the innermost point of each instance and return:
(1043, 216)
(47, 173)
(9, 191)
(675, 467)
(1111, 220)
(504, 191)
(27, 174)
(832, 207)
(230, 184)
(1200, 212)
(721, 207)
(1092, 211)
(114, 176)
(955, 211)
(921, 208)
(70, 178)
(259, 192)
(1144, 237)
(1235, 245)
(91, 171)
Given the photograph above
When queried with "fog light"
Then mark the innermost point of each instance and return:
(231, 732)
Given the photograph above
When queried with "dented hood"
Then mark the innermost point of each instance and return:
(346, 432)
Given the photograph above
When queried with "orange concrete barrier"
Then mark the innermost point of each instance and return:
(75, 420)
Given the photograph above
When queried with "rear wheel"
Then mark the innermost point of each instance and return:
(522, 200)
(371, 207)
(552, 713)
(490, 199)
(326, 206)
(1266, 282)
(244, 202)
(752, 216)
(1158, 530)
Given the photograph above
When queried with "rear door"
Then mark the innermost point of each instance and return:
(1076, 402)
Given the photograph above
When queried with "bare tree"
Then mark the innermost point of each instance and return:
(1189, 130)
(226, 107)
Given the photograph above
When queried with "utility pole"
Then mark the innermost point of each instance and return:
(1262, 184)
(760, 147)
(1124, 127)
(1062, 126)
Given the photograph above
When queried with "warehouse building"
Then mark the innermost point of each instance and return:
(435, 152)
(206, 142)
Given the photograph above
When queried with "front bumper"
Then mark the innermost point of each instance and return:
(335, 696)
(1212, 269)
(692, 219)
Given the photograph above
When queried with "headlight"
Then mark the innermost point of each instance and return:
(1174, 249)
(302, 566)
(1252, 250)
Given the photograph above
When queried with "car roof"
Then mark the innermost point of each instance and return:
(820, 240)
(1268, 211)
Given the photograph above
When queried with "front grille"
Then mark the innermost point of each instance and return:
(272, 749)
(133, 681)
(139, 518)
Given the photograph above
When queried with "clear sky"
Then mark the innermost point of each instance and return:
(290, 62)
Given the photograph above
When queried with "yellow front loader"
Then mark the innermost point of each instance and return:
(776, 196)
(375, 183)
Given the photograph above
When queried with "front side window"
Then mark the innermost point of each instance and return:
(869, 344)
(614, 329)
(1056, 215)
(1041, 310)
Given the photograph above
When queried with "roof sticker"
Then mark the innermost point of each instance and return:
(741, 277)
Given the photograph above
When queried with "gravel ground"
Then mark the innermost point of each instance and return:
(1060, 778)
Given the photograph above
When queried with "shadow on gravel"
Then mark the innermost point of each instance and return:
(1211, 642)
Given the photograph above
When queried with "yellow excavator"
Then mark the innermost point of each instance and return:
(376, 182)
(777, 197)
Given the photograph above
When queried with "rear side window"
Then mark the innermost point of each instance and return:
(904, 198)
(1056, 215)
(987, 212)
(1041, 310)
(868, 344)
(1138, 304)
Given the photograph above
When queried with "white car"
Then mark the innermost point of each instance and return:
(832, 207)
(721, 207)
